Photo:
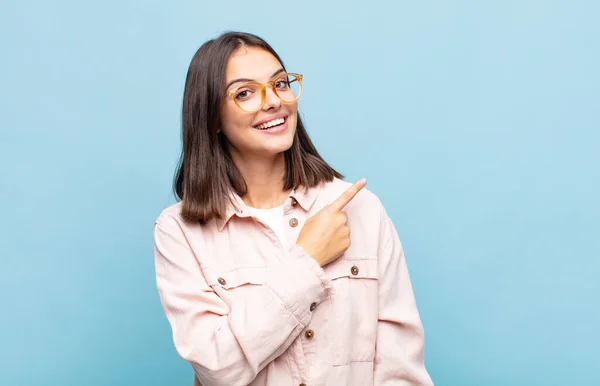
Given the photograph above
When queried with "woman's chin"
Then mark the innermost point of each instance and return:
(275, 149)
(276, 145)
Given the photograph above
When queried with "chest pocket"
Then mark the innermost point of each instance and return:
(231, 279)
(353, 268)
(354, 312)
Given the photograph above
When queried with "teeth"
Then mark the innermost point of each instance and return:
(274, 122)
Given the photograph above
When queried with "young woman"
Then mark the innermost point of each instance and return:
(271, 269)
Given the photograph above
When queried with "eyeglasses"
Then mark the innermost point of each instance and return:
(250, 96)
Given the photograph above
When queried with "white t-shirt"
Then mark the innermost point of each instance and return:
(274, 218)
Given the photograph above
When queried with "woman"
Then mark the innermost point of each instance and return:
(272, 270)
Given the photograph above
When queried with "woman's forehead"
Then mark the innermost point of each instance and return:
(251, 63)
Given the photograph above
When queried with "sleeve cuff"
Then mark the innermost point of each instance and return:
(299, 281)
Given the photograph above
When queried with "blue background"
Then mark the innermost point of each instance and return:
(477, 123)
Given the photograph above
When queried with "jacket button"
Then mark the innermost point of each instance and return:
(222, 281)
(303, 384)
(354, 270)
(293, 222)
(309, 334)
(313, 306)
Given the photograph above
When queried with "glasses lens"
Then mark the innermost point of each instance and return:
(288, 88)
(249, 97)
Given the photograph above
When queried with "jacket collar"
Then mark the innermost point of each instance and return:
(304, 197)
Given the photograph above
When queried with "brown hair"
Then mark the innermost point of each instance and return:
(206, 175)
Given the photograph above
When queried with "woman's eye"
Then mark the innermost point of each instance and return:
(243, 94)
(282, 84)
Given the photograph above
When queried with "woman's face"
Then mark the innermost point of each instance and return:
(268, 131)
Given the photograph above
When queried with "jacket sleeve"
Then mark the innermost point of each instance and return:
(228, 344)
(399, 355)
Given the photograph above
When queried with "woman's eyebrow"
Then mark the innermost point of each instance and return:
(252, 80)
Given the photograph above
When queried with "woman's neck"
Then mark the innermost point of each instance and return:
(264, 180)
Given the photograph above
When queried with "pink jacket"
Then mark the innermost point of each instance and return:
(246, 310)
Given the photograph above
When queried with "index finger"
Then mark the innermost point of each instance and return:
(348, 195)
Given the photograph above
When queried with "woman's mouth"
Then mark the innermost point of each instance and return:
(273, 126)
(272, 123)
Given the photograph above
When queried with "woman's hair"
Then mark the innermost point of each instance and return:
(206, 175)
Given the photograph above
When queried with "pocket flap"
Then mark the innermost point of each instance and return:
(354, 268)
(234, 278)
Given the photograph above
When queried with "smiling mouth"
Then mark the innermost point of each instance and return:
(271, 124)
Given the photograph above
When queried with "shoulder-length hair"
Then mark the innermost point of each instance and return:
(206, 176)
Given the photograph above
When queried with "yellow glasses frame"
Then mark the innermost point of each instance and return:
(263, 88)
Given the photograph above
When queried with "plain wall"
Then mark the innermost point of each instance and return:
(475, 122)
